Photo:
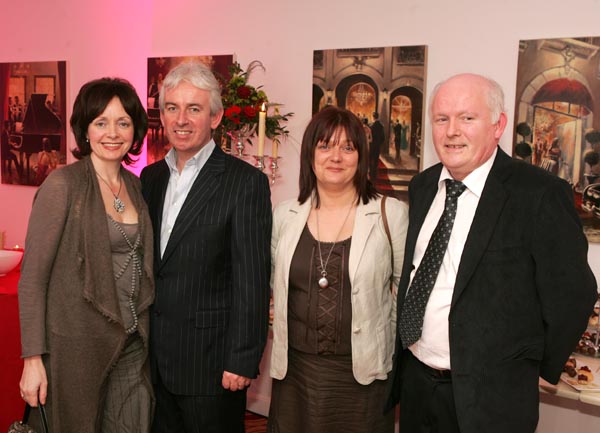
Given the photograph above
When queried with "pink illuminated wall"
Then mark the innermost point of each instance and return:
(115, 37)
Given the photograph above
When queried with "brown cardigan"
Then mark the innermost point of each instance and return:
(68, 303)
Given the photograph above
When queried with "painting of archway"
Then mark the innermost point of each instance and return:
(383, 86)
(358, 93)
(318, 100)
(406, 108)
(557, 96)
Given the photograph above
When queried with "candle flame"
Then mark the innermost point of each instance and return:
(264, 107)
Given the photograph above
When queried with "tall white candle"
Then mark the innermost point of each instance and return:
(275, 148)
(262, 127)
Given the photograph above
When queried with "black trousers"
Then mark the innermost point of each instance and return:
(426, 399)
(198, 414)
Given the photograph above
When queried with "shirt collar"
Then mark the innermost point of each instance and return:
(475, 181)
(196, 161)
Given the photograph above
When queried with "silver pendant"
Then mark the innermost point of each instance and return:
(119, 205)
(323, 282)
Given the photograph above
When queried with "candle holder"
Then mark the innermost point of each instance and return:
(260, 162)
(239, 137)
(274, 169)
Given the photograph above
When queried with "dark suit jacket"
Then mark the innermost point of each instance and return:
(523, 294)
(212, 284)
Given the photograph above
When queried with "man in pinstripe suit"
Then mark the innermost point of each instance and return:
(211, 214)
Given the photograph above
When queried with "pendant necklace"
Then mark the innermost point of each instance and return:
(118, 204)
(323, 281)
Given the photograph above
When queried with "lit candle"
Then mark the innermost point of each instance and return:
(275, 148)
(262, 127)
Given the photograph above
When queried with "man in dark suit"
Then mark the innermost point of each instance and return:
(211, 214)
(378, 134)
(512, 290)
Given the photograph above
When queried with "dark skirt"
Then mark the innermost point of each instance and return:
(320, 395)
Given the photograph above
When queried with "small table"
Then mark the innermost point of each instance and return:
(10, 356)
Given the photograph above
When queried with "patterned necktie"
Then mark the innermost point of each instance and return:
(410, 323)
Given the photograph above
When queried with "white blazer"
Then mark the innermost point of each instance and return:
(370, 270)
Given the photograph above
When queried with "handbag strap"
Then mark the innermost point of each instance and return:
(386, 226)
(26, 413)
(42, 410)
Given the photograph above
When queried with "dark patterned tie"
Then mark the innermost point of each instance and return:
(410, 323)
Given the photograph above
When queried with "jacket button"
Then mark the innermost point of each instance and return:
(356, 330)
(157, 312)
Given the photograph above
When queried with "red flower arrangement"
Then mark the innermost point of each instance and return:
(242, 102)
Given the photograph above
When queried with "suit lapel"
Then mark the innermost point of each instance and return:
(421, 208)
(418, 211)
(291, 230)
(204, 187)
(364, 221)
(159, 198)
(491, 203)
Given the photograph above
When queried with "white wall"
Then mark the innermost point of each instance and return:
(114, 37)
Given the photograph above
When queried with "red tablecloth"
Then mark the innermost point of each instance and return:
(11, 365)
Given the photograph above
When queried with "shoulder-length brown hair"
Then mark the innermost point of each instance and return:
(322, 127)
(91, 102)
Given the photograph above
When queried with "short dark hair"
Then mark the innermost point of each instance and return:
(322, 127)
(92, 100)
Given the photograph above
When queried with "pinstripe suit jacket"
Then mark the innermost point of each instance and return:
(212, 283)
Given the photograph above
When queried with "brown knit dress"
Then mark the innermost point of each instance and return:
(319, 393)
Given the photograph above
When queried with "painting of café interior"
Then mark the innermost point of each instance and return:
(384, 87)
(557, 117)
(33, 113)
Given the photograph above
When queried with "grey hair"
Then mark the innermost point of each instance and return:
(198, 75)
(495, 96)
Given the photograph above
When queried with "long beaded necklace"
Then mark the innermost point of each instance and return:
(323, 281)
(136, 273)
(118, 204)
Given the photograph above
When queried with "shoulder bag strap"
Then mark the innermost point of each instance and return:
(386, 226)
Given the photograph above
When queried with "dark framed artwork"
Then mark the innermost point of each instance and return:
(158, 67)
(33, 112)
(384, 87)
(557, 117)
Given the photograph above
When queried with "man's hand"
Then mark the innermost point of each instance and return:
(233, 382)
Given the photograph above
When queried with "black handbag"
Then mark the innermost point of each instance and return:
(22, 427)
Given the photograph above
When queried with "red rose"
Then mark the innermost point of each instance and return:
(233, 112)
(244, 92)
(249, 112)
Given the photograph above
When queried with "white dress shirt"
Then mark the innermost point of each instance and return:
(178, 188)
(433, 348)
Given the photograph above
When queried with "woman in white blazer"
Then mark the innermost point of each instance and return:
(335, 307)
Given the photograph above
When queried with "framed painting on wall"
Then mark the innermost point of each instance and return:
(557, 117)
(384, 87)
(33, 112)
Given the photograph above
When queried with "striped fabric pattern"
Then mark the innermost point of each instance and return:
(212, 283)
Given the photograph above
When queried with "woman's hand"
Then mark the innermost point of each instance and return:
(34, 383)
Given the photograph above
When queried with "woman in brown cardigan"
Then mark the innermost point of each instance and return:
(86, 283)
